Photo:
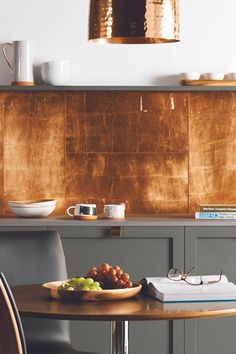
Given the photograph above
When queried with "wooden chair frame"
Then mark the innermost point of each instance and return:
(12, 340)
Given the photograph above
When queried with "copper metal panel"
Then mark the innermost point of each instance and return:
(134, 22)
(125, 132)
(86, 179)
(75, 125)
(99, 132)
(34, 147)
(99, 102)
(152, 102)
(157, 152)
(75, 102)
(126, 102)
(212, 155)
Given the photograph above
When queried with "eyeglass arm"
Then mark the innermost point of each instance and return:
(190, 271)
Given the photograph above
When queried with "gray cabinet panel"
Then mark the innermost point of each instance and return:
(22, 228)
(139, 258)
(141, 251)
(212, 249)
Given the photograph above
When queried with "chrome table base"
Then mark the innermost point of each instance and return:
(119, 337)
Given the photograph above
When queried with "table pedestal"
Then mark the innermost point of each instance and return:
(119, 337)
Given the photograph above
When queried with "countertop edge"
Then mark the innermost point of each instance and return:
(161, 88)
(134, 221)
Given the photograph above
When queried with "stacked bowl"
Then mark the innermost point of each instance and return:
(32, 208)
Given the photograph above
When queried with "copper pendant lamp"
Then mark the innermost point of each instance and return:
(134, 21)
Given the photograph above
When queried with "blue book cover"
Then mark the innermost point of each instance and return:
(215, 215)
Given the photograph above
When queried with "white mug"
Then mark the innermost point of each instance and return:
(114, 211)
(85, 210)
(55, 72)
(22, 64)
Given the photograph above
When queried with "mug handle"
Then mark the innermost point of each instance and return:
(68, 210)
(5, 55)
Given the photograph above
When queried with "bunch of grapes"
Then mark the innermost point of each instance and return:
(80, 283)
(110, 277)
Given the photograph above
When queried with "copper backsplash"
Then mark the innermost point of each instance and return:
(160, 152)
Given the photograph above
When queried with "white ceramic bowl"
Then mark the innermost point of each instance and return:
(32, 208)
(190, 76)
(55, 72)
(32, 212)
(214, 76)
(231, 76)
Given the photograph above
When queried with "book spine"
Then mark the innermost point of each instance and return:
(215, 215)
(218, 208)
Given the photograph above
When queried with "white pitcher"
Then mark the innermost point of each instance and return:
(22, 65)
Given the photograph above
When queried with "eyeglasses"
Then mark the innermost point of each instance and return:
(176, 275)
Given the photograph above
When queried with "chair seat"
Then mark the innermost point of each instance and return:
(71, 351)
(55, 349)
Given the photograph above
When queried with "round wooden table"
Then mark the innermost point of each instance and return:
(31, 302)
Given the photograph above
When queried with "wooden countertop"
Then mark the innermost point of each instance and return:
(132, 220)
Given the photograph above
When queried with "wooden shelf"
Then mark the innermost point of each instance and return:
(10, 88)
(217, 83)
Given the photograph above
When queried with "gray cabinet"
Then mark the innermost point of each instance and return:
(213, 249)
(152, 250)
(142, 251)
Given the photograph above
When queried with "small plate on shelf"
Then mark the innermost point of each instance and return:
(208, 82)
(51, 289)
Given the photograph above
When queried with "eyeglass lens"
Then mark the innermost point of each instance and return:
(194, 279)
(175, 274)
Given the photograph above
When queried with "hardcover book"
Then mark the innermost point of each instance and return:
(166, 290)
(218, 207)
(215, 215)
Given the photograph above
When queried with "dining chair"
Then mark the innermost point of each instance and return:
(12, 340)
(30, 257)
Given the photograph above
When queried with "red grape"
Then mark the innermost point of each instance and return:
(128, 284)
(120, 283)
(114, 279)
(119, 272)
(116, 267)
(125, 277)
(112, 272)
(92, 269)
(105, 267)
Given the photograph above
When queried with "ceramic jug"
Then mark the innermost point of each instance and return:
(22, 63)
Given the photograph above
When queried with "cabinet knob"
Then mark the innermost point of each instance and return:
(116, 231)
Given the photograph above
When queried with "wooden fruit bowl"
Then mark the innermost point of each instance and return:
(51, 289)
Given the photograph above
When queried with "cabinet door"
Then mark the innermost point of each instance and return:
(212, 249)
(141, 251)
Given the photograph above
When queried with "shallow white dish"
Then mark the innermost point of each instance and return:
(32, 212)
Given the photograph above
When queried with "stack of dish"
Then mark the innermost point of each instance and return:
(32, 208)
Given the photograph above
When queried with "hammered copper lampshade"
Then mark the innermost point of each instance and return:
(134, 21)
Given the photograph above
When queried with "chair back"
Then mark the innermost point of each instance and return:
(11, 332)
(30, 257)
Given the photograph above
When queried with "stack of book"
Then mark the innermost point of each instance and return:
(166, 290)
(216, 211)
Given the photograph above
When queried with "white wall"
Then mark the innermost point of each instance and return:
(58, 29)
